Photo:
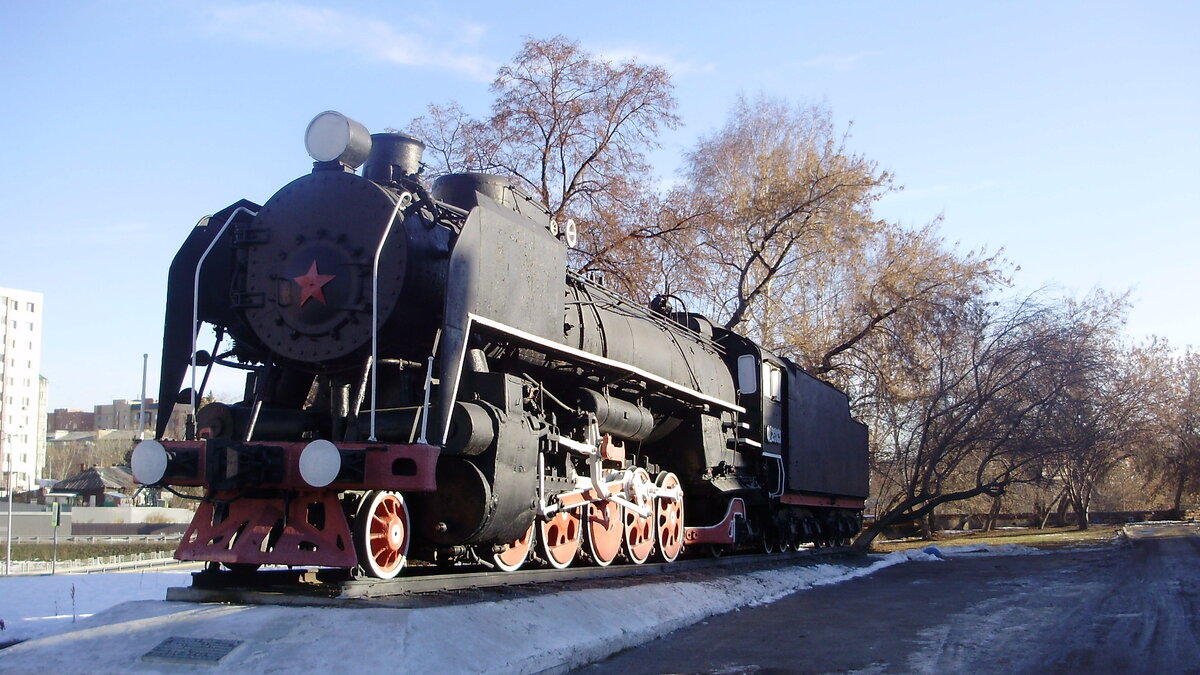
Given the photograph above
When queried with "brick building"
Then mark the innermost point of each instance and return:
(70, 420)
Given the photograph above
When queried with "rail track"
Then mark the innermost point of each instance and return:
(422, 586)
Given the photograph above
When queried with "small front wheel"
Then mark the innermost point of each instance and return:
(382, 533)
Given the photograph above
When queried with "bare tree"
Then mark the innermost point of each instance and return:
(1172, 456)
(1106, 414)
(1183, 452)
(965, 405)
(782, 242)
(573, 130)
(773, 233)
(898, 280)
(772, 190)
(453, 140)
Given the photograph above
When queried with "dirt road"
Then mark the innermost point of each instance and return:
(1132, 609)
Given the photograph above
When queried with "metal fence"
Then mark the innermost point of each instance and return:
(97, 564)
(97, 538)
(109, 563)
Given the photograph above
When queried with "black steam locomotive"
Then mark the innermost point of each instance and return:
(425, 378)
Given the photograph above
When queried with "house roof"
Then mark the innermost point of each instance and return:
(97, 479)
(73, 436)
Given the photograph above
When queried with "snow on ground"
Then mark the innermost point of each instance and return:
(979, 550)
(33, 606)
(525, 635)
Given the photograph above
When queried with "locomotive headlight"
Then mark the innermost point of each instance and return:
(320, 463)
(149, 462)
(331, 136)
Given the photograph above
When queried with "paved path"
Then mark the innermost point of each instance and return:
(1133, 609)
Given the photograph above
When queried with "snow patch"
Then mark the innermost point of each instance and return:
(551, 632)
(34, 606)
(984, 550)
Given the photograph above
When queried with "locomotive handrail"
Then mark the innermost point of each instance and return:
(779, 488)
(196, 292)
(425, 407)
(402, 202)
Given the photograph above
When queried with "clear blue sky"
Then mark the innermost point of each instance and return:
(1067, 133)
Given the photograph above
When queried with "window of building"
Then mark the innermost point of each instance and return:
(30, 324)
(29, 306)
(16, 305)
(14, 323)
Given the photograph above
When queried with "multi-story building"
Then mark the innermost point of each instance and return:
(103, 437)
(124, 415)
(43, 406)
(22, 399)
(71, 420)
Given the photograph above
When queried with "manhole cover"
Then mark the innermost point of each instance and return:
(191, 650)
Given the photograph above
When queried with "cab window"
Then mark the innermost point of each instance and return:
(773, 381)
(747, 374)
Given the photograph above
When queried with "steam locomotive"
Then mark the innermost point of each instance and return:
(425, 378)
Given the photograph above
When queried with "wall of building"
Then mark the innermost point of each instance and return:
(22, 411)
(32, 520)
(71, 420)
(129, 514)
(125, 415)
(37, 521)
(43, 406)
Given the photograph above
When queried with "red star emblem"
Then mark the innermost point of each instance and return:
(311, 283)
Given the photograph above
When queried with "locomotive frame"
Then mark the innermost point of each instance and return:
(426, 378)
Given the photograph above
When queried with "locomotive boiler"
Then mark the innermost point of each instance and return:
(425, 378)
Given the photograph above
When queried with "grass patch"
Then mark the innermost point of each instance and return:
(1051, 538)
(86, 550)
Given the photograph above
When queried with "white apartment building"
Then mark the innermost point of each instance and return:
(22, 399)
